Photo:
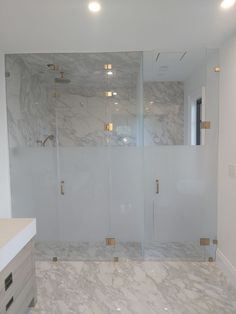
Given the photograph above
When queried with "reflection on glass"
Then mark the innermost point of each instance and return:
(174, 82)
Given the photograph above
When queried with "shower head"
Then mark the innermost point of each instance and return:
(62, 79)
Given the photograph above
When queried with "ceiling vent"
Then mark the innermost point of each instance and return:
(169, 58)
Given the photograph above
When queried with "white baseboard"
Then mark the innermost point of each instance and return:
(227, 268)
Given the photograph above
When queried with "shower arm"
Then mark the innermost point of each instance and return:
(49, 137)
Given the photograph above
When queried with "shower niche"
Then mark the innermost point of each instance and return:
(89, 136)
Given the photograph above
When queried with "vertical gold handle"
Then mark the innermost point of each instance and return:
(62, 187)
(158, 186)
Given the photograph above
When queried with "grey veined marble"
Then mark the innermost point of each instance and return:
(164, 113)
(75, 113)
(132, 287)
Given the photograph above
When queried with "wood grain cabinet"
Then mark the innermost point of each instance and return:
(17, 283)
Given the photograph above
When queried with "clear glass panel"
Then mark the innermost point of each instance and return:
(33, 162)
(100, 202)
(126, 163)
(83, 157)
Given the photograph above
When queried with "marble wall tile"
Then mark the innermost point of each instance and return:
(75, 112)
(30, 115)
(37, 106)
(81, 120)
(164, 113)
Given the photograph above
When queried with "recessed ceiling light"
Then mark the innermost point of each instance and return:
(116, 103)
(110, 73)
(114, 93)
(226, 4)
(94, 6)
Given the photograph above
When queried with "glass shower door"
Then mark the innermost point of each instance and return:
(82, 159)
(100, 156)
(180, 178)
(126, 158)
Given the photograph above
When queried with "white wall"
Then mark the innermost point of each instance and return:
(227, 155)
(5, 195)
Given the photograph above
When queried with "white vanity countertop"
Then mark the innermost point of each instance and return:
(14, 235)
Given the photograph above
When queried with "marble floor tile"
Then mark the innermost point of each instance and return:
(135, 287)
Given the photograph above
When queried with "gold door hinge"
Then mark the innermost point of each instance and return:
(110, 241)
(108, 127)
(204, 241)
(205, 125)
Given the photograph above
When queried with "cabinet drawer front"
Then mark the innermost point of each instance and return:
(22, 301)
(21, 278)
(15, 276)
(12, 268)
(16, 262)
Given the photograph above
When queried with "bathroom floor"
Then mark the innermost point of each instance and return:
(143, 287)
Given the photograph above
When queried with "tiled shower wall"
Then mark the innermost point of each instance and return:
(31, 115)
(36, 110)
(164, 113)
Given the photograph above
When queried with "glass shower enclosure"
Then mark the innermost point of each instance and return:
(101, 153)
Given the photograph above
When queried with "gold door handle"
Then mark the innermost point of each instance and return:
(62, 187)
(157, 186)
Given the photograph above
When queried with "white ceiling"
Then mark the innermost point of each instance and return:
(172, 65)
(123, 25)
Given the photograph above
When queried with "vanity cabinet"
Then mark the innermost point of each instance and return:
(17, 281)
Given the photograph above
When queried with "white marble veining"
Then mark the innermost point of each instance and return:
(164, 113)
(30, 115)
(132, 287)
(38, 107)
(81, 120)
(75, 112)
(86, 70)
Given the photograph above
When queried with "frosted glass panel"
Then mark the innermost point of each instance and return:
(84, 208)
(184, 211)
(127, 201)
